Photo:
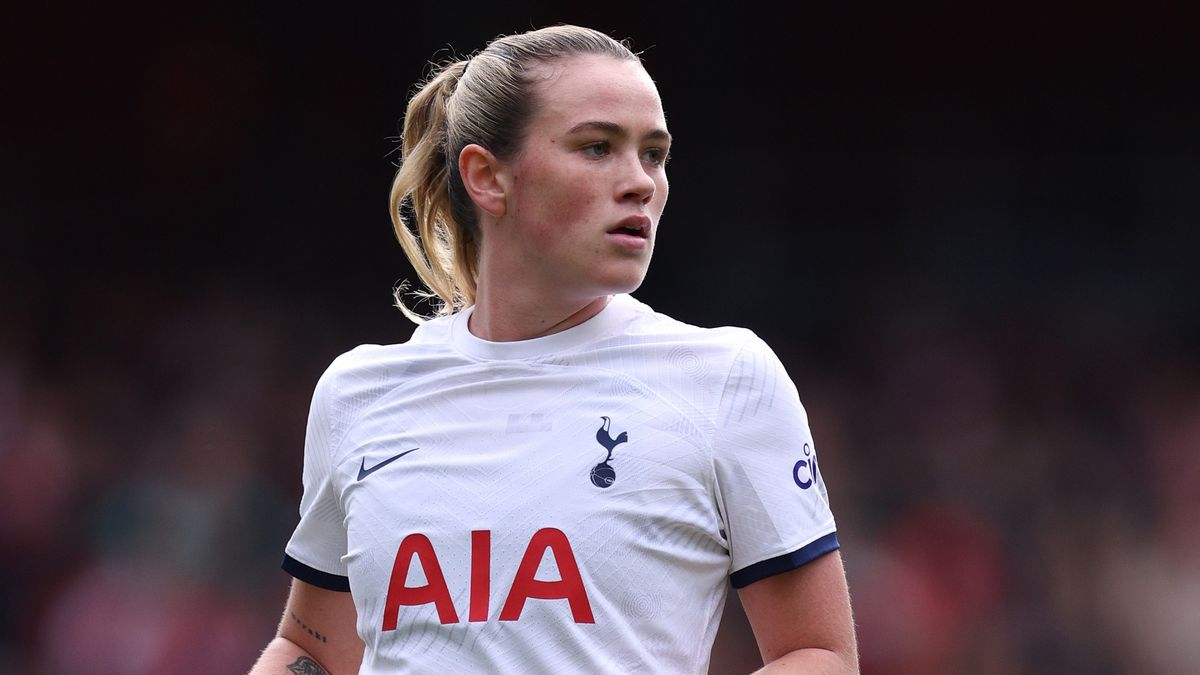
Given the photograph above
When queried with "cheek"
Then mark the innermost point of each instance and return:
(558, 206)
(659, 201)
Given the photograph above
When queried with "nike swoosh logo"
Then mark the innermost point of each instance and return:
(363, 471)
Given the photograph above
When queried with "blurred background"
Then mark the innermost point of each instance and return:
(970, 236)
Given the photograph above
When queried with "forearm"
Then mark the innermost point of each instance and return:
(284, 657)
(822, 661)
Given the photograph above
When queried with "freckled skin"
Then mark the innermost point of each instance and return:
(565, 198)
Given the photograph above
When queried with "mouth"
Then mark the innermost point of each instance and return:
(633, 226)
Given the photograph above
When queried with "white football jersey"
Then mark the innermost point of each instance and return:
(571, 503)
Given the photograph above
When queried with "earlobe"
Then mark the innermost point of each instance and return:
(480, 171)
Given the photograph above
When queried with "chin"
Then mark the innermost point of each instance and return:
(622, 277)
(627, 283)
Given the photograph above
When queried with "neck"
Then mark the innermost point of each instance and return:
(510, 318)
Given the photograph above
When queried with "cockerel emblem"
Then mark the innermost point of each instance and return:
(603, 474)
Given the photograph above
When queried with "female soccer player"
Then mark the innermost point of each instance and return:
(549, 476)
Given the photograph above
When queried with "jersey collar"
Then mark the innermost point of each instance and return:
(608, 321)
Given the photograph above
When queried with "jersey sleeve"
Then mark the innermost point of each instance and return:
(770, 490)
(314, 552)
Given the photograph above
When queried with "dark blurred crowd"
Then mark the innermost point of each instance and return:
(1012, 497)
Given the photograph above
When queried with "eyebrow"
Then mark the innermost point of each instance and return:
(615, 129)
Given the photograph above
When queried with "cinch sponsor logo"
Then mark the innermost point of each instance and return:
(524, 586)
(805, 471)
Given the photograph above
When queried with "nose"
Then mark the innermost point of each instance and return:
(636, 183)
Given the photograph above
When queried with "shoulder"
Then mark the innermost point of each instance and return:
(713, 367)
(720, 347)
(740, 369)
(647, 323)
(381, 366)
(358, 379)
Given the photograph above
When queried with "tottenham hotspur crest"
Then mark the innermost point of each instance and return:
(603, 474)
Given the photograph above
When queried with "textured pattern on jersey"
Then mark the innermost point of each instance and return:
(662, 453)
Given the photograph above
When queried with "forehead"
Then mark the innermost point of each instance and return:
(581, 88)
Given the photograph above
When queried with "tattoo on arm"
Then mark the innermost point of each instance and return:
(306, 666)
(307, 629)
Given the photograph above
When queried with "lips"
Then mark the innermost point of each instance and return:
(634, 226)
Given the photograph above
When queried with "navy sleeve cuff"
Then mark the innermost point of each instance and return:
(788, 561)
(330, 582)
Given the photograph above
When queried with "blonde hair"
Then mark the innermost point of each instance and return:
(486, 99)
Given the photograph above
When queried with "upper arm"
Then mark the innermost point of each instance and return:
(322, 622)
(804, 608)
(773, 504)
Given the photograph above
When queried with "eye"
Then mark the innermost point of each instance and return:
(655, 156)
(597, 149)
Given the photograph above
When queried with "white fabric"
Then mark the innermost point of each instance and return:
(706, 484)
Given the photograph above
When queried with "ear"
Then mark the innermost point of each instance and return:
(481, 174)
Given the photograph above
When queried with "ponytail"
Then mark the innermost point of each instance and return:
(443, 250)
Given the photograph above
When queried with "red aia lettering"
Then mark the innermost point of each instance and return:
(434, 590)
(569, 587)
(481, 574)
